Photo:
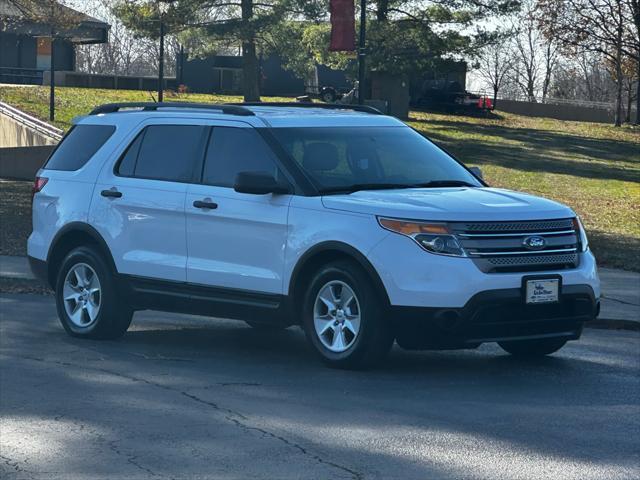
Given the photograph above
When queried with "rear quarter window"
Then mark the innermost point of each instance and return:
(78, 146)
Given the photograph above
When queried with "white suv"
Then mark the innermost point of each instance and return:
(341, 220)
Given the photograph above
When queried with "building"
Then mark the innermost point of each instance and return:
(223, 74)
(25, 44)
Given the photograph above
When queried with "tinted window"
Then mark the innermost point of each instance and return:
(165, 152)
(128, 163)
(343, 157)
(234, 150)
(78, 146)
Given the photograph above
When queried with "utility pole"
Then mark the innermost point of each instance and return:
(161, 69)
(362, 50)
(163, 8)
(52, 68)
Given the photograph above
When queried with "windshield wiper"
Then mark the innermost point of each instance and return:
(391, 186)
(362, 186)
(442, 183)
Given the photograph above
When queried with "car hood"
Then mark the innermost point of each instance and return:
(449, 204)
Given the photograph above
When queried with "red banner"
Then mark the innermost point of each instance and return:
(343, 26)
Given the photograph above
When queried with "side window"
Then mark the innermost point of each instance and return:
(164, 152)
(78, 146)
(128, 163)
(234, 150)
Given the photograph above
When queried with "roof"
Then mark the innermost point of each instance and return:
(272, 115)
(34, 20)
(309, 116)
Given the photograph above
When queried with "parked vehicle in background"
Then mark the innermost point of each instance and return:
(329, 94)
(335, 218)
(454, 98)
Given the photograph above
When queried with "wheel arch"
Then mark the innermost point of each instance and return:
(71, 236)
(321, 254)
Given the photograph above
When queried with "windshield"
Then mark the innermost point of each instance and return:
(360, 158)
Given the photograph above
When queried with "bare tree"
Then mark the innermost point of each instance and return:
(122, 55)
(602, 26)
(632, 46)
(526, 52)
(496, 61)
(535, 56)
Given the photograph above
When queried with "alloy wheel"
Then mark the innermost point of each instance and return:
(82, 295)
(336, 316)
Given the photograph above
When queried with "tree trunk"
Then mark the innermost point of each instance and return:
(250, 70)
(495, 95)
(382, 12)
(638, 95)
(627, 113)
(618, 117)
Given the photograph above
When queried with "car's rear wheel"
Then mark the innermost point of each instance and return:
(344, 318)
(533, 348)
(86, 297)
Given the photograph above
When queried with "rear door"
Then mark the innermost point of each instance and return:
(239, 241)
(139, 205)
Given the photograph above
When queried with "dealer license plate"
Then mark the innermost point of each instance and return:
(542, 291)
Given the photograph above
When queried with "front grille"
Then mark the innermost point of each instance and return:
(501, 246)
(535, 260)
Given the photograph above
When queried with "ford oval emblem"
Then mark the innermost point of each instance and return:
(534, 243)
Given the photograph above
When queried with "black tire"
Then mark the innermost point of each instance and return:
(533, 348)
(328, 96)
(374, 339)
(266, 326)
(113, 317)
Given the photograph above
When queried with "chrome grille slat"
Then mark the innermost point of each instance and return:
(526, 252)
(529, 226)
(519, 234)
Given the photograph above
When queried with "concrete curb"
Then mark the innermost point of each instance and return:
(604, 324)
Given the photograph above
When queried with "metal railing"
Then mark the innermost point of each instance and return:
(561, 101)
(21, 76)
(31, 122)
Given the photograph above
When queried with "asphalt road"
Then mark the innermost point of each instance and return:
(185, 397)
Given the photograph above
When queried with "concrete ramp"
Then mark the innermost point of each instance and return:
(25, 142)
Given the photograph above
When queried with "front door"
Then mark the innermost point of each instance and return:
(236, 240)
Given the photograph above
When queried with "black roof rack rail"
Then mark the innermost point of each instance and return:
(153, 106)
(328, 106)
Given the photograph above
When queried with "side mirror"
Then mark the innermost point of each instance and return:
(259, 183)
(477, 172)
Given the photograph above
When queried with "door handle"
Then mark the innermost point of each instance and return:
(205, 204)
(113, 193)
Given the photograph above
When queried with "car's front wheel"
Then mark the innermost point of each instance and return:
(344, 317)
(86, 297)
(533, 348)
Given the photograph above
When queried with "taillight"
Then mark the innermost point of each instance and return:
(38, 185)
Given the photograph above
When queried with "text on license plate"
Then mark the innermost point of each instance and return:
(542, 291)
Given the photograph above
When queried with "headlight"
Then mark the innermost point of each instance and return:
(432, 237)
(582, 234)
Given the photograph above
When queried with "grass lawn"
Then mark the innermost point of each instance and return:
(594, 168)
(72, 102)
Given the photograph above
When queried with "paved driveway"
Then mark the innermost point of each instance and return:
(185, 397)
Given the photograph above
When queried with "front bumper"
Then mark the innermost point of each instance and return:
(495, 315)
(415, 278)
